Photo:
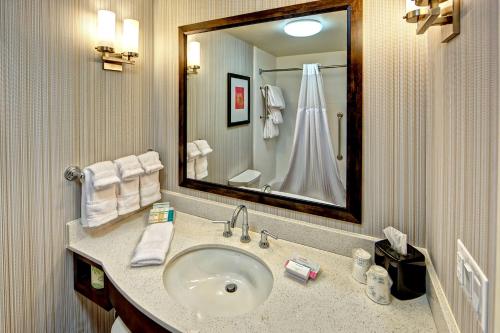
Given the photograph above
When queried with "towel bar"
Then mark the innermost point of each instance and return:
(266, 101)
(73, 172)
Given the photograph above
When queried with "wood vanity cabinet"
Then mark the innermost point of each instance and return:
(109, 297)
(81, 267)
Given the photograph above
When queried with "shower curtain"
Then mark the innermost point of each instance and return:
(313, 169)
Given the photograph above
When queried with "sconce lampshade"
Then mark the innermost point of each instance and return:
(131, 36)
(193, 54)
(105, 28)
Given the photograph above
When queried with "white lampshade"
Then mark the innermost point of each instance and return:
(193, 54)
(105, 28)
(410, 6)
(130, 42)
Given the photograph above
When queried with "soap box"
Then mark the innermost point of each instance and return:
(406, 271)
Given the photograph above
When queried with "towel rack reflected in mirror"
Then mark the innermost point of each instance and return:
(339, 155)
(266, 102)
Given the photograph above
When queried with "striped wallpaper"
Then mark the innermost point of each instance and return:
(462, 145)
(58, 107)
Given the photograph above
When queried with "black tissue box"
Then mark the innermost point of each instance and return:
(407, 272)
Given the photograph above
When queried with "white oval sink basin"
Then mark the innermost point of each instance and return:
(219, 281)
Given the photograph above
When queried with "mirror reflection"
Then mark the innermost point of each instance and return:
(266, 107)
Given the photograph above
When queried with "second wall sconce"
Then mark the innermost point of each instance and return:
(106, 41)
(427, 13)
(193, 57)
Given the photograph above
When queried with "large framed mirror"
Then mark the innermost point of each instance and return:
(270, 107)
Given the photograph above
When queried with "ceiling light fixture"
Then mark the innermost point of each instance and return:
(303, 28)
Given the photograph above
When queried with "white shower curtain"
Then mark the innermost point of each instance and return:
(313, 169)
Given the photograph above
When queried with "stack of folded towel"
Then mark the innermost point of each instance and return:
(197, 162)
(154, 244)
(99, 203)
(128, 169)
(150, 180)
(275, 105)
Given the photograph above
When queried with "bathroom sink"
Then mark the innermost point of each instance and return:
(218, 281)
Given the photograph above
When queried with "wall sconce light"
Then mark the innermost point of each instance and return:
(193, 57)
(427, 13)
(106, 41)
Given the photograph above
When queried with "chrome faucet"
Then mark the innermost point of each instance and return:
(264, 243)
(245, 238)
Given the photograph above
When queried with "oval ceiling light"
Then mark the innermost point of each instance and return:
(303, 28)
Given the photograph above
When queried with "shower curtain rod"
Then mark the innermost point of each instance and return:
(295, 69)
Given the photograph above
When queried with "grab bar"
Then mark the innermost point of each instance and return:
(339, 117)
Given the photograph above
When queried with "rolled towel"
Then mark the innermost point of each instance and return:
(150, 162)
(154, 245)
(201, 167)
(203, 146)
(103, 174)
(99, 204)
(192, 151)
(129, 167)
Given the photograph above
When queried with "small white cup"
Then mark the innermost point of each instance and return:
(361, 262)
(378, 285)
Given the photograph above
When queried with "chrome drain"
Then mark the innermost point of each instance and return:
(231, 287)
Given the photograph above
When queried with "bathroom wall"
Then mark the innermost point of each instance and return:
(221, 53)
(57, 108)
(335, 87)
(264, 151)
(462, 148)
(394, 104)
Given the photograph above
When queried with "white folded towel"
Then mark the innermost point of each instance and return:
(191, 173)
(203, 147)
(154, 245)
(201, 167)
(192, 151)
(276, 116)
(99, 204)
(274, 97)
(103, 174)
(271, 130)
(129, 169)
(150, 161)
(149, 188)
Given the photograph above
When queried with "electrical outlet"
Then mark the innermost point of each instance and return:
(474, 283)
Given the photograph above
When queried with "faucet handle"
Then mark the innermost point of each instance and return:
(264, 243)
(227, 228)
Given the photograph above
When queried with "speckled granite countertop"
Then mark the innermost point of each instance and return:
(334, 302)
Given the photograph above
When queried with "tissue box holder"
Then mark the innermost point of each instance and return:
(407, 272)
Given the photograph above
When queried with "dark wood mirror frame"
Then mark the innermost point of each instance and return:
(354, 8)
